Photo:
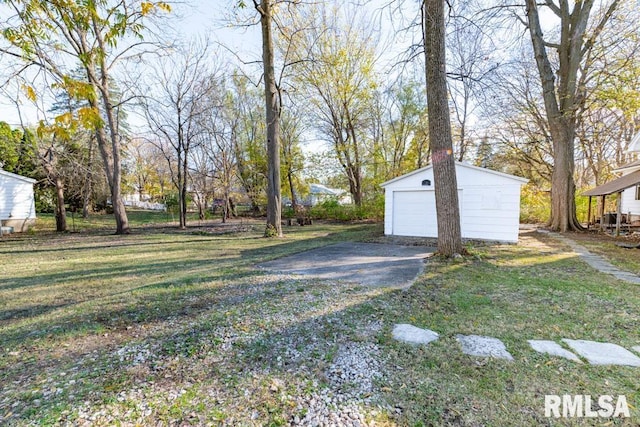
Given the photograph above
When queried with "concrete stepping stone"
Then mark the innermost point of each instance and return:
(552, 348)
(476, 345)
(413, 335)
(636, 349)
(602, 353)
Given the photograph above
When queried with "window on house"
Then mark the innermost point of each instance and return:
(638, 192)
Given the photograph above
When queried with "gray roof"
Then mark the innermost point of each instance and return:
(615, 186)
(631, 165)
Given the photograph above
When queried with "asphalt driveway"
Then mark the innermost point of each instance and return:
(370, 264)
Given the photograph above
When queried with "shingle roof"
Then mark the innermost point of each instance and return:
(615, 186)
(631, 165)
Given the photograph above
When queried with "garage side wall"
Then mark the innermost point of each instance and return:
(16, 199)
(491, 212)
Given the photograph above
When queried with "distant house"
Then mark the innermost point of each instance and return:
(627, 186)
(489, 204)
(134, 201)
(17, 202)
(319, 193)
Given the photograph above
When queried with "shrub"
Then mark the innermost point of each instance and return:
(535, 205)
(330, 209)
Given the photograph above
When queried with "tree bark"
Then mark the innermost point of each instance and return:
(294, 201)
(444, 173)
(86, 202)
(272, 103)
(61, 212)
(114, 177)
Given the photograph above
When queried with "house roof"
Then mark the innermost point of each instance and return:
(615, 186)
(632, 165)
(323, 189)
(458, 164)
(16, 176)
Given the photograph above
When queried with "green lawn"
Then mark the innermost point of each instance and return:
(181, 328)
(137, 218)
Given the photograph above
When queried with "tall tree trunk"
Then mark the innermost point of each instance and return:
(61, 212)
(114, 180)
(109, 148)
(294, 201)
(86, 190)
(444, 173)
(110, 151)
(272, 103)
(183, 191)
(563, 189)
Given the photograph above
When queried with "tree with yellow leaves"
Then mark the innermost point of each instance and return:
(59, 36)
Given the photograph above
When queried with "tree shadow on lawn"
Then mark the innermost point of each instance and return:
(232, 257)
(187, 273)
(229, 343)
(119, 241)
(283, 336)
(189, 327)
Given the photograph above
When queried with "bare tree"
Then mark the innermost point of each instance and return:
(469, 66)
(180, 86)
(217, 159)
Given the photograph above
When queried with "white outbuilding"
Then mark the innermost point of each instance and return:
(489, 204)
(17, 202)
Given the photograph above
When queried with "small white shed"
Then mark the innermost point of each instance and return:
(489, 204)
(17, 202)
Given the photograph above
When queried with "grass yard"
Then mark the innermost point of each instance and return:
(168, 327)
(605, 246)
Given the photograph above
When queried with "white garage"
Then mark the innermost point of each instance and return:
(489, 204)
(17, 206)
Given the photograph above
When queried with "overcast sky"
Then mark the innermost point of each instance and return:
(196, 19)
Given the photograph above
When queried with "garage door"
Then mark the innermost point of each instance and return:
(414, 213)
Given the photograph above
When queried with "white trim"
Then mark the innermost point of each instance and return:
(466, 165)
(634, 145)
(16, 176)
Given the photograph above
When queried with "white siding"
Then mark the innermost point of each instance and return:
(16, 197)
(629, 202)
(489, 205)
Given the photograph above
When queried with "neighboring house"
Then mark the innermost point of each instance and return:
(489, 204)
(627, 186)
(17, 202)
(133, 200)
(318, 193)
